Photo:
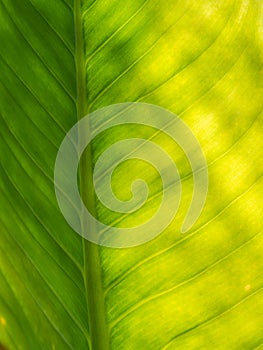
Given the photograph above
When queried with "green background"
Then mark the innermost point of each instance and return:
(202, 60)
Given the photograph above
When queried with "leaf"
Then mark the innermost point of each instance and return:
(202, 61)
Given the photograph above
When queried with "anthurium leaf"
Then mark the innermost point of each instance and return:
(203, 62)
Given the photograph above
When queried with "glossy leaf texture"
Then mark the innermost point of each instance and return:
(198, 290)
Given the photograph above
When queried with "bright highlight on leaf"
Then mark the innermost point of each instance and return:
(61, 60)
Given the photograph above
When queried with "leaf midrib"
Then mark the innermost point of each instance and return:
(99, 338)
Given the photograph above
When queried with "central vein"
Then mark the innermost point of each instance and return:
(99, 338)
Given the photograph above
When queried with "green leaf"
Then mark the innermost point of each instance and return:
(201, 60)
